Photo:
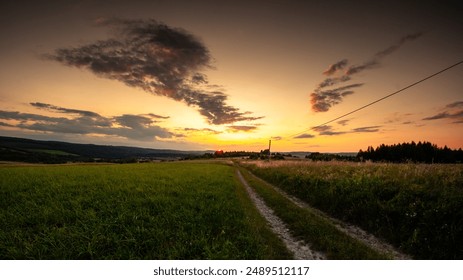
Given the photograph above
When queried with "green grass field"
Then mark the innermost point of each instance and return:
(200, 210)
(417, 207)
(133, 211)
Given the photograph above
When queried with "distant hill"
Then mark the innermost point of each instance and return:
(28, 150)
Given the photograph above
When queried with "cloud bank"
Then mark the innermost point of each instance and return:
(452, 111)
(328, 130)
(304, 136)
(323, 99)
(158, 59)
(138, 127)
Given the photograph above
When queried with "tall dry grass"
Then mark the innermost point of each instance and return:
(417, 207)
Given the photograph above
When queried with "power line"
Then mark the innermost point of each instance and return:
(381, 99)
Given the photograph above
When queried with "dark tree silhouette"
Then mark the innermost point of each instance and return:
(423, 152)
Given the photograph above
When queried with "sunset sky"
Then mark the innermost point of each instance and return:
(197, 75)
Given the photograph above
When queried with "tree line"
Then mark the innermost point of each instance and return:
(263, 154)
(423, 152)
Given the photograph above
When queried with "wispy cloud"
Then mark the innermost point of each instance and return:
(367, 129)
(138, 127)
(63, 110)
(364, 66)
(343, 122)
(242, 128)
(305, 136)
(323, 99)
(157, 116)
(457, 104)
(333, 68)
(6, 124)
(328, 130)
(376, 60)
(398, 117)
(398, 44)
(158, 59)
(331, 133)
(203, 130)
(332, 81)
(452, 111)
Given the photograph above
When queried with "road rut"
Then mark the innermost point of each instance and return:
(299, 248)
(351, 230)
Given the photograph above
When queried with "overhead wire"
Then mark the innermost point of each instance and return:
(378, 100)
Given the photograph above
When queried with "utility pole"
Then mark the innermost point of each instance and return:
(269, 153)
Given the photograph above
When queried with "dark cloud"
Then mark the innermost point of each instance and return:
(17, 116)
(199, 78)
(156, 58)
(359, 68)
(304, 136)
(63, 110)
(375, 62)
(398, 117)
(367, 129)
(343, 122)
(323, 99)
(157, 116)
(242, 128)
(328, 130)
(458, 104)
(442, 115)
(133, 121)
(332, 133)
(322, 128)
(452, 111)
(6, 124)
(333, 81)
(206, 130)
(446, 115)
(138, 127)
(396, 46)
(333, 68)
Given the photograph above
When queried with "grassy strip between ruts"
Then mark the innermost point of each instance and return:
(133, 211)
(317, 231)
(272, 247)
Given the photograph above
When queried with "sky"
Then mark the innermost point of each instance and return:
(232, 75)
